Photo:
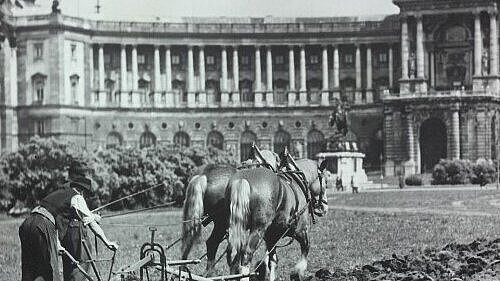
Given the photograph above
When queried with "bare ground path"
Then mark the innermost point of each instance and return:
(392, 210)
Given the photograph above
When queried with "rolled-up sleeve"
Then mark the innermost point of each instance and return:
(78, 202)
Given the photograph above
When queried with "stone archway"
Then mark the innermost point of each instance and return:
(247, 139)
(433, 143)
(215, 139)
(182, 139)
(282, 139)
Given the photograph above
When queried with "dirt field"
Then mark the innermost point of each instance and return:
(359, 229)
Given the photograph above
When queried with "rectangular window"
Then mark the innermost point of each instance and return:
(382, 57)
(40, 127)
(141, 59)
(176, 59)
(245, 60)
(73, 52)
(38, 49)
(348, 59)
(314, 59)
(74, 92)
(210, 60)
(279, 60)
(39, 85)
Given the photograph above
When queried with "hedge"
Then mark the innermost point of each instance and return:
(40, 167)
(464, 172)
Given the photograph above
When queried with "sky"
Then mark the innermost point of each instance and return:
(149, 9)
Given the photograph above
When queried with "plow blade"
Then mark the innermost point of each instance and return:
(193, 277)
(136, 266)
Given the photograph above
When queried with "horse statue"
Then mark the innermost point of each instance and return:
(338, 118)
(267, 206)
(205, 199)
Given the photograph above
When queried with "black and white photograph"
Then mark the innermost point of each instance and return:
(249, 140)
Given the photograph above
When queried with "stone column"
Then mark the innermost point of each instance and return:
(410, 164)
(404, 49)
(169, 96)
(420, 55)
(102, 77)
(258, 78)
(269, 76)
(478, 45)
(358, 94)
(123, 77)
(202, 96)
(324, 67)
(391, 68)
(91, 66)
(291, 76)
(223, 82)
(236, 77)
(157, 77)
(303, 77)
(455, 131)
(336, 72)
(191, 82)
(493, 44)
(369, 78)
(136, 98)
(433, 69)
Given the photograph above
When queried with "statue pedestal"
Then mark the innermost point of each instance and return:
(347, 165)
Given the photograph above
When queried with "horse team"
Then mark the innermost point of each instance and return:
(267, 199)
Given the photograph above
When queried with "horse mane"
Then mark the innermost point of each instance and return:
(309, 168)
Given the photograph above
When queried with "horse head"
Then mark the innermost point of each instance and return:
(316, 182)
(264, 158)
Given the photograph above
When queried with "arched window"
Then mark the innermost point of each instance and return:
(147, 139)
(315, 143)
(181, 139)
(74, 80)
(247, 139)
(314, 89)
(281, 140)
(38, 80)
(114, 139)
(179, 89)
(213, 93)
(215, 139)
(246, 88)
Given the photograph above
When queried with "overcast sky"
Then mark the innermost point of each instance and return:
(134, 9)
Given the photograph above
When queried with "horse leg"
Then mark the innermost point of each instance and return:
(254, 240)
(213, 243)
(301, 266)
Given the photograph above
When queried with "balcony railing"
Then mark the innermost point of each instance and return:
(388, 95)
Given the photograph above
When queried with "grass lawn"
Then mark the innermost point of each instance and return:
(341, 239)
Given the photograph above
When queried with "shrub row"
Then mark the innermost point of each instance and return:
(464, 171)
(40, 167)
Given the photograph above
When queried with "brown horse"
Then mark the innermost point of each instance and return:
(205, 199)
(268, 206)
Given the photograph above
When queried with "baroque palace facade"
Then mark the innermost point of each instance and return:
(421, 85)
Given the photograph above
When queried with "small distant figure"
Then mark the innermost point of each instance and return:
(401, 180)
(482, 180)
(338, 184)
(354, 188)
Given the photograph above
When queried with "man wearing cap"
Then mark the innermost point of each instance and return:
(50, 223)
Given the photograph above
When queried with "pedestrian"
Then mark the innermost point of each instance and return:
(354, 188)
(401, 180)
(54, 221)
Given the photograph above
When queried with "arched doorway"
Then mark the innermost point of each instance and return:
(433, 143)
(215, 139)
(182, 139)
(147, 139)
(114, 139)
(247, 139)
(315, 143)
(281, 140)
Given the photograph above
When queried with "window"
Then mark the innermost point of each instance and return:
(382, 57)
(314, 59)
(147, 139)
(141, 59)
(279, 60)
(245, 60)
(38, 48)
(348, 58)
(38, 81)
(74, 88)
(176, 59)
(210, 60)
(73, 52)
(40, 127)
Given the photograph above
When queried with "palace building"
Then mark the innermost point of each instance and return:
(421, 85)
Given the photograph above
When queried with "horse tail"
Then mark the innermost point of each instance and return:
(192, 213)
(239, 214)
